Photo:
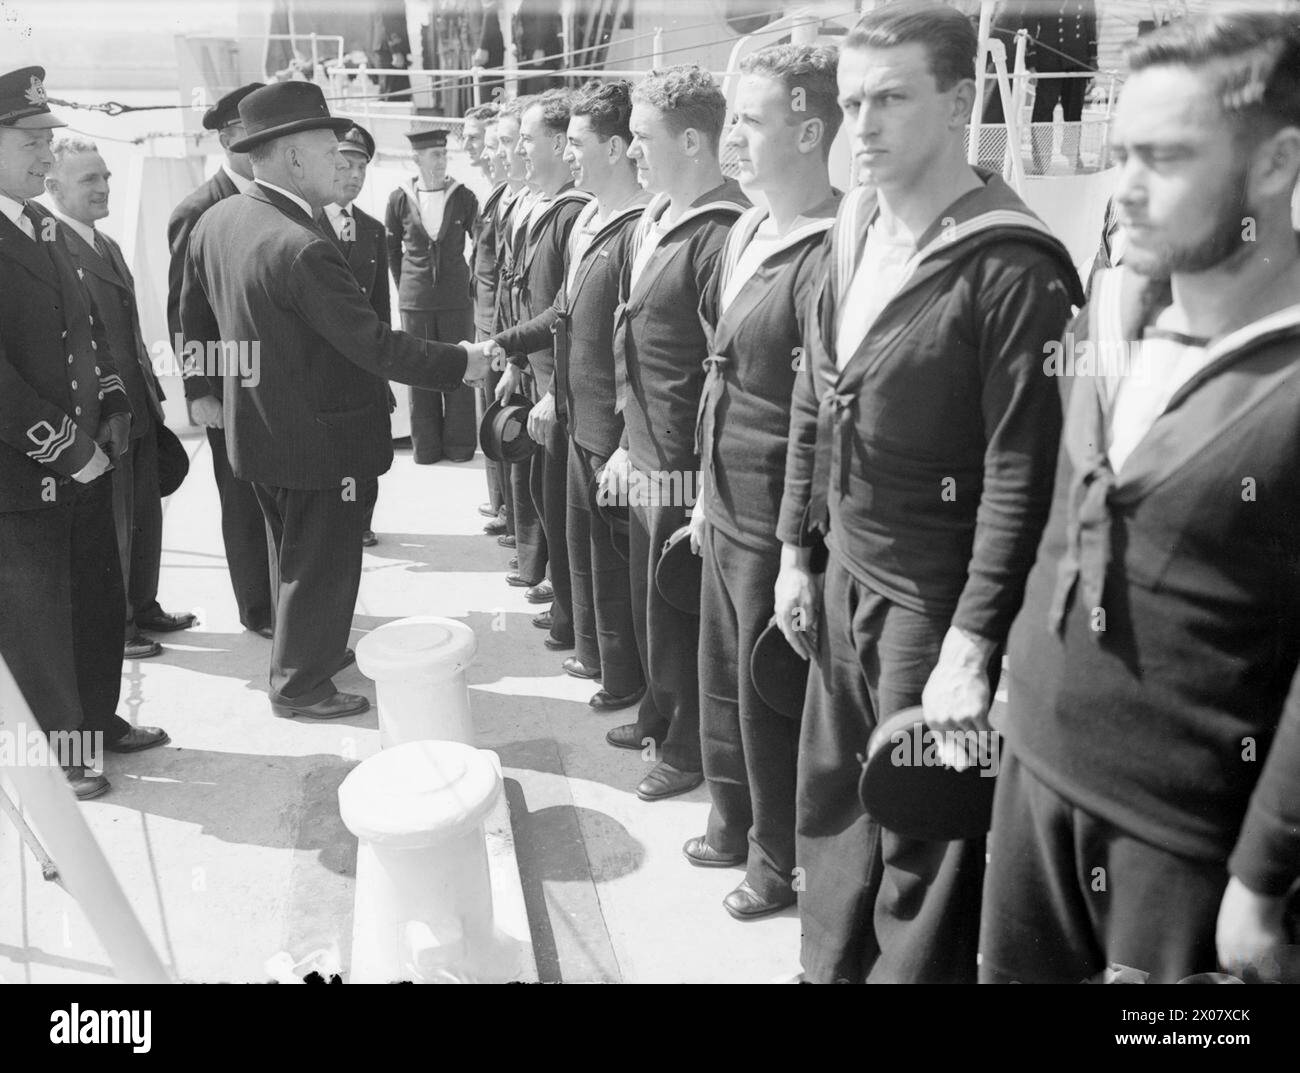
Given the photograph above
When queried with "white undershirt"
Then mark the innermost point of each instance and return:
(649, 243)
(762, 244)
(585, 229)
(1140, 394)
(433, 205)
(888, 260)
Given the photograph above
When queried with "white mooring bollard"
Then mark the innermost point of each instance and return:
(424, 894)
(418, 666)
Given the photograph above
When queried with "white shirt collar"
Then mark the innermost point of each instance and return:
(11, 208)
(86, 231)
(241, 184)
(292, 197)
(335, 211)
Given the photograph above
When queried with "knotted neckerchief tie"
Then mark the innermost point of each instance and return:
(706, 423)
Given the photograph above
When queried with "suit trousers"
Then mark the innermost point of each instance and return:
(530, 536)
(667, 639)
(750, 750)
(137, 511)
(368, 496)
(1067, 894)
(547, 480)
(243, 532)
(63, 618)
(603, 630)
(493, 471)
(874, 906)
(442, 424)
(314, 538)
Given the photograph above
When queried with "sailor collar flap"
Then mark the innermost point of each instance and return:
(654, 210)
(412, 194)
(599, 241)
(493, 200)
(536, 226)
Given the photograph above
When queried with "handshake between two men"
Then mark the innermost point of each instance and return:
(490, 354)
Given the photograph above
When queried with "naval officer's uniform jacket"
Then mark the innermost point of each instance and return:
(310, 426)
(63, 622)
(660, 343)
(243, 530)
(579, 325)
(436, 300)
(749, 749)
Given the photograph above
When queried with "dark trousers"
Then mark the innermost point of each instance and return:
(368, 497)
(530, 536)
(315, 542)
(243, 532)
(443, 424)
(1066, 894)
(750, 751)
(668, 640)
(874, 906)
(603, 630)
(493, 471)
(137, 511)
(547, 481)
(63, 618)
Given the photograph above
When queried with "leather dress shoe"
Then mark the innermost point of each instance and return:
(349, 658)
(368, 539)
(335, 707)
(495, 527)
(159, 621)
(262, 631)
(137, 739)
(83, 785)
(700, 853)
(604, 701)
(544, 621)
(628, 736)
(506, 541)
(541, 593)
(555, 644)
(665, 780)
(460, 458)
(488, 510)
(574, 667)
(745, 903)
(518, 581)
(138, 646)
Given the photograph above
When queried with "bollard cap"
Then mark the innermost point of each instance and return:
(418, 794)
(422, 646)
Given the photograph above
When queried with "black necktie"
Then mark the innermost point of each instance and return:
(38, 228)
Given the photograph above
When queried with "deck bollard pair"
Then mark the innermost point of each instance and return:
(423, 909)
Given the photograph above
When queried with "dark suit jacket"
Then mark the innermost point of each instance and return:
(113, 288)
(259, 274)
(430, 273)
(367, 256)
(58, 379)
(182, 222)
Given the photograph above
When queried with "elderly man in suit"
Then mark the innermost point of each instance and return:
(309, 425)
(364, 243)
(64, 421)
(78, 185)
(243, 532)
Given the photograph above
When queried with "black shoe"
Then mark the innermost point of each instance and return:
(575, 668)
(335, 707)
(159, 621)
(605, 701)
(628, 736)
(506, 541)
(700, 853)
(85, 786)
(495, 527)
(349, 658)
(137, 739)
(460, 458)
(745, 903)
(368, 539)
(138, 646)
(544, 620)
(556, 645)
(665, 780)
(518, 581)
(541, 593)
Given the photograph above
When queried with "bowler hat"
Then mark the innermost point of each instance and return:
(677, 576)
(226, 110)
(284, 108)
(358, 140)
(905, 788)
(779, 674)
(503, 432)
(23, 101)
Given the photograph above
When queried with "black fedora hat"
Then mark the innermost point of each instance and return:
(678, 573)
(905, 788)
(612, 514)
(503, 432)
(284, 108)
(779, 675)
